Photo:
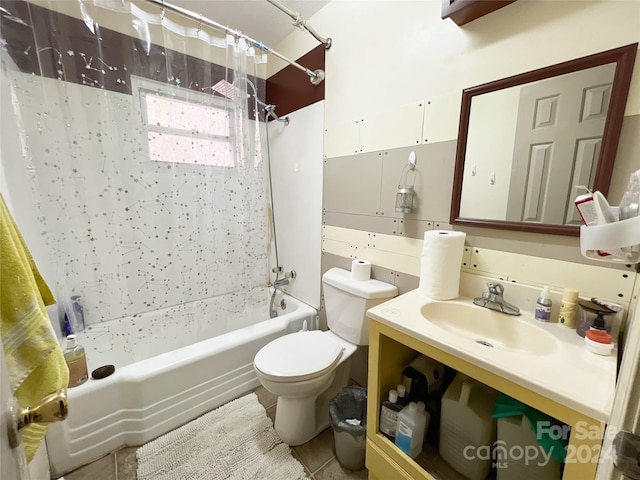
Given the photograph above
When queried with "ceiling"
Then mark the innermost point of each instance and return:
(257, 19)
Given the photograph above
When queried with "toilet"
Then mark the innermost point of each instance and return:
(306, 369)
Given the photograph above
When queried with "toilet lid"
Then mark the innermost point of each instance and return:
(298, 356)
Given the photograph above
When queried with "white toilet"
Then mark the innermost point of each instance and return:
(306, 369)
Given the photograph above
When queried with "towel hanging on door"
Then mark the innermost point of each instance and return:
(35, 361)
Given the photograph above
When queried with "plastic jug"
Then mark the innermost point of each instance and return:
(534, 464)
(466, 426)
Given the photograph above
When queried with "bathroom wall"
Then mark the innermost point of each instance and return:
(395, 74)
(296, 165)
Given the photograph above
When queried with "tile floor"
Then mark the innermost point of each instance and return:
(318, 456)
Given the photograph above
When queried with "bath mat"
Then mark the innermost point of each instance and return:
(235, 441)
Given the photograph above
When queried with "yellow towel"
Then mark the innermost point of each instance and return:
(34, 359)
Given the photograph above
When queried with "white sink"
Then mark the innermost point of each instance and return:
(548, 359)
(489, 328)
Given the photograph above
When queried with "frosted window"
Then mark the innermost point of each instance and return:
(180, 130)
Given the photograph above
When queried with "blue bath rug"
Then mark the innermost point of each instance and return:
(233, 442)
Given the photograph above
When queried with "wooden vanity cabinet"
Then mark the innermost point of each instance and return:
(391, 350)
(464, 11)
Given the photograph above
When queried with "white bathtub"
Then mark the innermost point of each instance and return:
(149, 397)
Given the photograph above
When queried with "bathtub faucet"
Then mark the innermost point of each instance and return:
(281, 282)
(277, 284)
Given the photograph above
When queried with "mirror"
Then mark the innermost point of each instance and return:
(527, 143)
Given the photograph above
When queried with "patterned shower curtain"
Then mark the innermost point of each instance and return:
(138, 142)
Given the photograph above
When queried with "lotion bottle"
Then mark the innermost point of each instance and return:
(543, 306)
(76, 360)
(568, 308)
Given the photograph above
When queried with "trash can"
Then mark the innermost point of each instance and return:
(348, 418)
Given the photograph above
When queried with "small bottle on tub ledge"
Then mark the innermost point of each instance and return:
(76, 360)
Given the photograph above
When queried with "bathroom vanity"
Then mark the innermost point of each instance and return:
(542, 365)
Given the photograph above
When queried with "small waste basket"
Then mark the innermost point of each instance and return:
(348, 418)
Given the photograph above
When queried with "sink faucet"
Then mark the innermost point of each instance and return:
(494, 300)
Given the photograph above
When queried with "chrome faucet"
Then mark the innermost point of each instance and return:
(281, 282)
(494, 300)
(278, 284)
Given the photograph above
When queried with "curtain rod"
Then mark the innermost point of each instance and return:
(316, 76)
(298, 21)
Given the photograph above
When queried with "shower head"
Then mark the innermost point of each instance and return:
(232, 92)
(226, 89)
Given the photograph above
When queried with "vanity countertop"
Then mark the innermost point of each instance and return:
(569, 375)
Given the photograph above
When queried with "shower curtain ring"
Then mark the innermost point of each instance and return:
(162, 13)
(199, 24)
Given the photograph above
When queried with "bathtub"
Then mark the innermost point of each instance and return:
(154, 393)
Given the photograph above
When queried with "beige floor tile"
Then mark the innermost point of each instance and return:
(127, 463)
(103, 469)
(271, 413)
(334, 471)
(317, 452)
(306, 470)
(265, 397)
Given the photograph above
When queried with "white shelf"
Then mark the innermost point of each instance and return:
(612, 238)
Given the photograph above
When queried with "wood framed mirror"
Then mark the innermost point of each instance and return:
(527, 143)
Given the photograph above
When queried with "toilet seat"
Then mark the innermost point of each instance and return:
(298, 356)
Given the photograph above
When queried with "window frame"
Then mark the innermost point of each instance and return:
(143, 87)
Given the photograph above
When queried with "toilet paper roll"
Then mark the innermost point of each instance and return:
(440, 264)
(360, 270)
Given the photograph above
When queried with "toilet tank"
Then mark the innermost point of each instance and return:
(347, 300)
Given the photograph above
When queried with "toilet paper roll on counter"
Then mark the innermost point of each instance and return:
(440, 264)
(360, 270)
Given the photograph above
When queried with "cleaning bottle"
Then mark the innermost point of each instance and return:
(403, 401)
(389, 415)
(422, 410)
(411, 430)
(76, 360)
(543, 306)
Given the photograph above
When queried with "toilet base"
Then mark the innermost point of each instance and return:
(299, 420)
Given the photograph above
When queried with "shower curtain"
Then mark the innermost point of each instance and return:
(136, 157)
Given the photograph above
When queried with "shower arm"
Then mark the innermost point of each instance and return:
(316, 76)
(270, 109)
(298, 21)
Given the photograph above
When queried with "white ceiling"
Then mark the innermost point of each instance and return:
(257, 19)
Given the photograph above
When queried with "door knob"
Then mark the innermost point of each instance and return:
(52, 408)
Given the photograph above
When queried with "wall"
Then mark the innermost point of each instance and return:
(401, 92)
(296, 153)
(395, 75)
(494, 118)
